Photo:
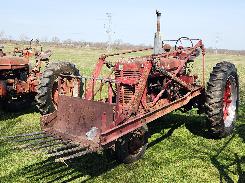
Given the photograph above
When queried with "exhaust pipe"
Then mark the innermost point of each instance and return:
(157, 39)
(158, 20)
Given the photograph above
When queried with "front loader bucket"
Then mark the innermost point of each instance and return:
(78, 120)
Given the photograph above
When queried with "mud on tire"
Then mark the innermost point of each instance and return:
(48, 84)
(222, 98)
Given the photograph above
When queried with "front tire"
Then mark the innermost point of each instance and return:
(132, 146)
(222, 99)
(47, 92)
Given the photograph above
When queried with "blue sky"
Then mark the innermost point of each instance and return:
(133, 21)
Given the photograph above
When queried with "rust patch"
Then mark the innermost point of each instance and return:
(81, 120)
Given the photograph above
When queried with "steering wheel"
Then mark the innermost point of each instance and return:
(180, 41)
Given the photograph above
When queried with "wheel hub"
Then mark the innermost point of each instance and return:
(229, 101)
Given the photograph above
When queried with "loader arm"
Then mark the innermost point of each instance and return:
(89, 94)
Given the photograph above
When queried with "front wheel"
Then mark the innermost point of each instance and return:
(222, 99)
(132, 146)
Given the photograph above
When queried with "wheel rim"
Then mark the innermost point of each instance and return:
(230, 101)
(55, 94)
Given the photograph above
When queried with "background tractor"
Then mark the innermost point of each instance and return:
(18, 79)
(110, 110)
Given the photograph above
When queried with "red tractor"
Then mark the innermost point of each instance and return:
(112, 112)
(18, 79)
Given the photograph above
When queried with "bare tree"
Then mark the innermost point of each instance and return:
(44, 39)
(23, 37)
(68, 41)
(55, 40)
(2, 35)
(117, 43)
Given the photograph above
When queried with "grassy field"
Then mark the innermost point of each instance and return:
(178, 151)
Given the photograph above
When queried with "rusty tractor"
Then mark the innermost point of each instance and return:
(18, 79)
(111, 112)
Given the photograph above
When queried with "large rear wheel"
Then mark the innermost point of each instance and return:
(222, 99)
(47, 92)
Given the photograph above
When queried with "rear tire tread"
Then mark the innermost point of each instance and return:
(214, 98)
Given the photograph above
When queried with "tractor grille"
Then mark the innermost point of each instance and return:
(127, 91)
(129, 74)
(126, 94)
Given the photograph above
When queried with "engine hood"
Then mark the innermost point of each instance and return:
(13, 62)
